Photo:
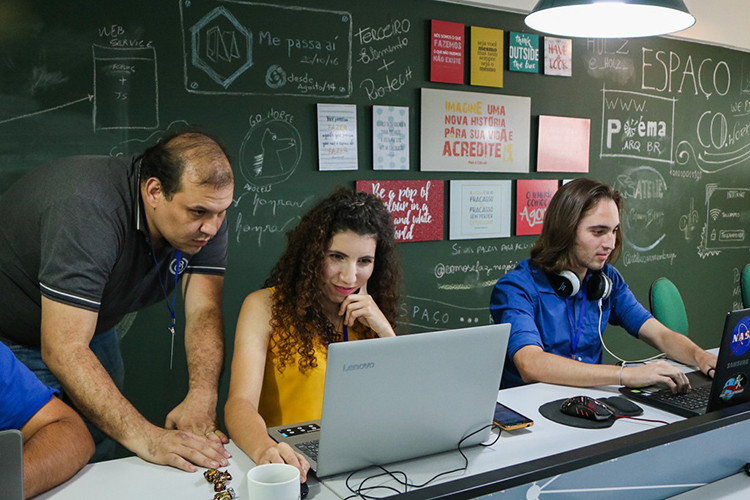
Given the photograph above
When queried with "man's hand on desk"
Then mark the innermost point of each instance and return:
(659, 372)
(707, 362)
(198, 417)
(180, 449)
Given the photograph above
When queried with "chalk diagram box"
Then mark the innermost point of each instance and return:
(126, 88)
(728, 213)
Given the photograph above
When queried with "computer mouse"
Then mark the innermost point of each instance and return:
(304, 489)
(586, 407)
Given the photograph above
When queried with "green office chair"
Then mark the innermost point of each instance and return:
(667, 305)
(745, 285)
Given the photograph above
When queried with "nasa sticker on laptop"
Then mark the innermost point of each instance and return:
(741, 337)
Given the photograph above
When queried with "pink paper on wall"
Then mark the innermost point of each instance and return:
(532, 199)
(563, 144)
(447, 46)
(415, 205)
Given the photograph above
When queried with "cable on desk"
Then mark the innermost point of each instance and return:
(365, 492)
(641, 419)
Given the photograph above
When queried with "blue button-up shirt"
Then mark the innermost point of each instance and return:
(538, 316)
(21, 393)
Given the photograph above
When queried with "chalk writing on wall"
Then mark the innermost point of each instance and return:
(421, 313)
(125, 80)
(610, 59)
(384, 50)
(644, 219)
(689, 221)
(479, 267)
(271, 149)
(240, 48)
(728, 215)
(637, 125)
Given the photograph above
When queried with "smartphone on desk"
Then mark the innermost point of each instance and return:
(508, 419)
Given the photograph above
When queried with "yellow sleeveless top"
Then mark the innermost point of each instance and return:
(291, 396)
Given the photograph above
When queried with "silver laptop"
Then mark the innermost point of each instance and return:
(402, 397)
(11, 465)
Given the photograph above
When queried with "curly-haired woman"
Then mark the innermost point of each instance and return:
(338, 280)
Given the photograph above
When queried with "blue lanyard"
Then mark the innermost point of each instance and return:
(171, 308)
(163, 288)
(575, 337)
(345, 333)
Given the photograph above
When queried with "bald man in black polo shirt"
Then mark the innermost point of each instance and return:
(94, 238)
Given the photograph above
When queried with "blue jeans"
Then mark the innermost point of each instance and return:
(106, 346)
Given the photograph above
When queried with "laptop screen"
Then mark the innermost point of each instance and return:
(402, 397)
(733, 366)
(11, 465)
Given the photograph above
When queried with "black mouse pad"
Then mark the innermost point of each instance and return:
(622, 406)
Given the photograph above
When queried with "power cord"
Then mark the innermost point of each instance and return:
(641, 419)
(622, 362)
(400, 477)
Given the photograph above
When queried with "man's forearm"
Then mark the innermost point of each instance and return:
(675, 345)
(535, 365)
(54, 454)
(95, 395)
(204, 349)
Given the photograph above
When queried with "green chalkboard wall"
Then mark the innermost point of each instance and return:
(105, 77)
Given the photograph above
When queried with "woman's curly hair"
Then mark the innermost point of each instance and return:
(297, 318)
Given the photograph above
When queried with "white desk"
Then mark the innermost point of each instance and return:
(544, 438)
(128, 478)
(133, 478)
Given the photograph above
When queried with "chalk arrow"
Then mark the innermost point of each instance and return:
(89, 98)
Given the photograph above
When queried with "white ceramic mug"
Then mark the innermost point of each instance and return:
(273, 482)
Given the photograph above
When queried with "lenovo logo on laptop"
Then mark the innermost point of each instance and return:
(359, 366)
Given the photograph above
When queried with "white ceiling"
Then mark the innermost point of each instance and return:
(718, 22)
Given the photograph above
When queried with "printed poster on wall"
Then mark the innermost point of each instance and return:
(416, 207)
(523, 52)
(486, 57)
(474, 132)
(480, 209)
(532, 199)
(563, 144)
(558, 56)
(337, 136)
(447, 52)
(390, 138)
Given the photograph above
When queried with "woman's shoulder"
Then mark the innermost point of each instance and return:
(256, 310)
(262, 298)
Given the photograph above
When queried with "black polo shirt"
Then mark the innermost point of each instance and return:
(73, 232)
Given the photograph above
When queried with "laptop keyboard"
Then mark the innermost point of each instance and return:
(310, 448)
(299, 429)
(694, 399)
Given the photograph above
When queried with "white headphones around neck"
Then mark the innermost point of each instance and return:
(566, 284)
